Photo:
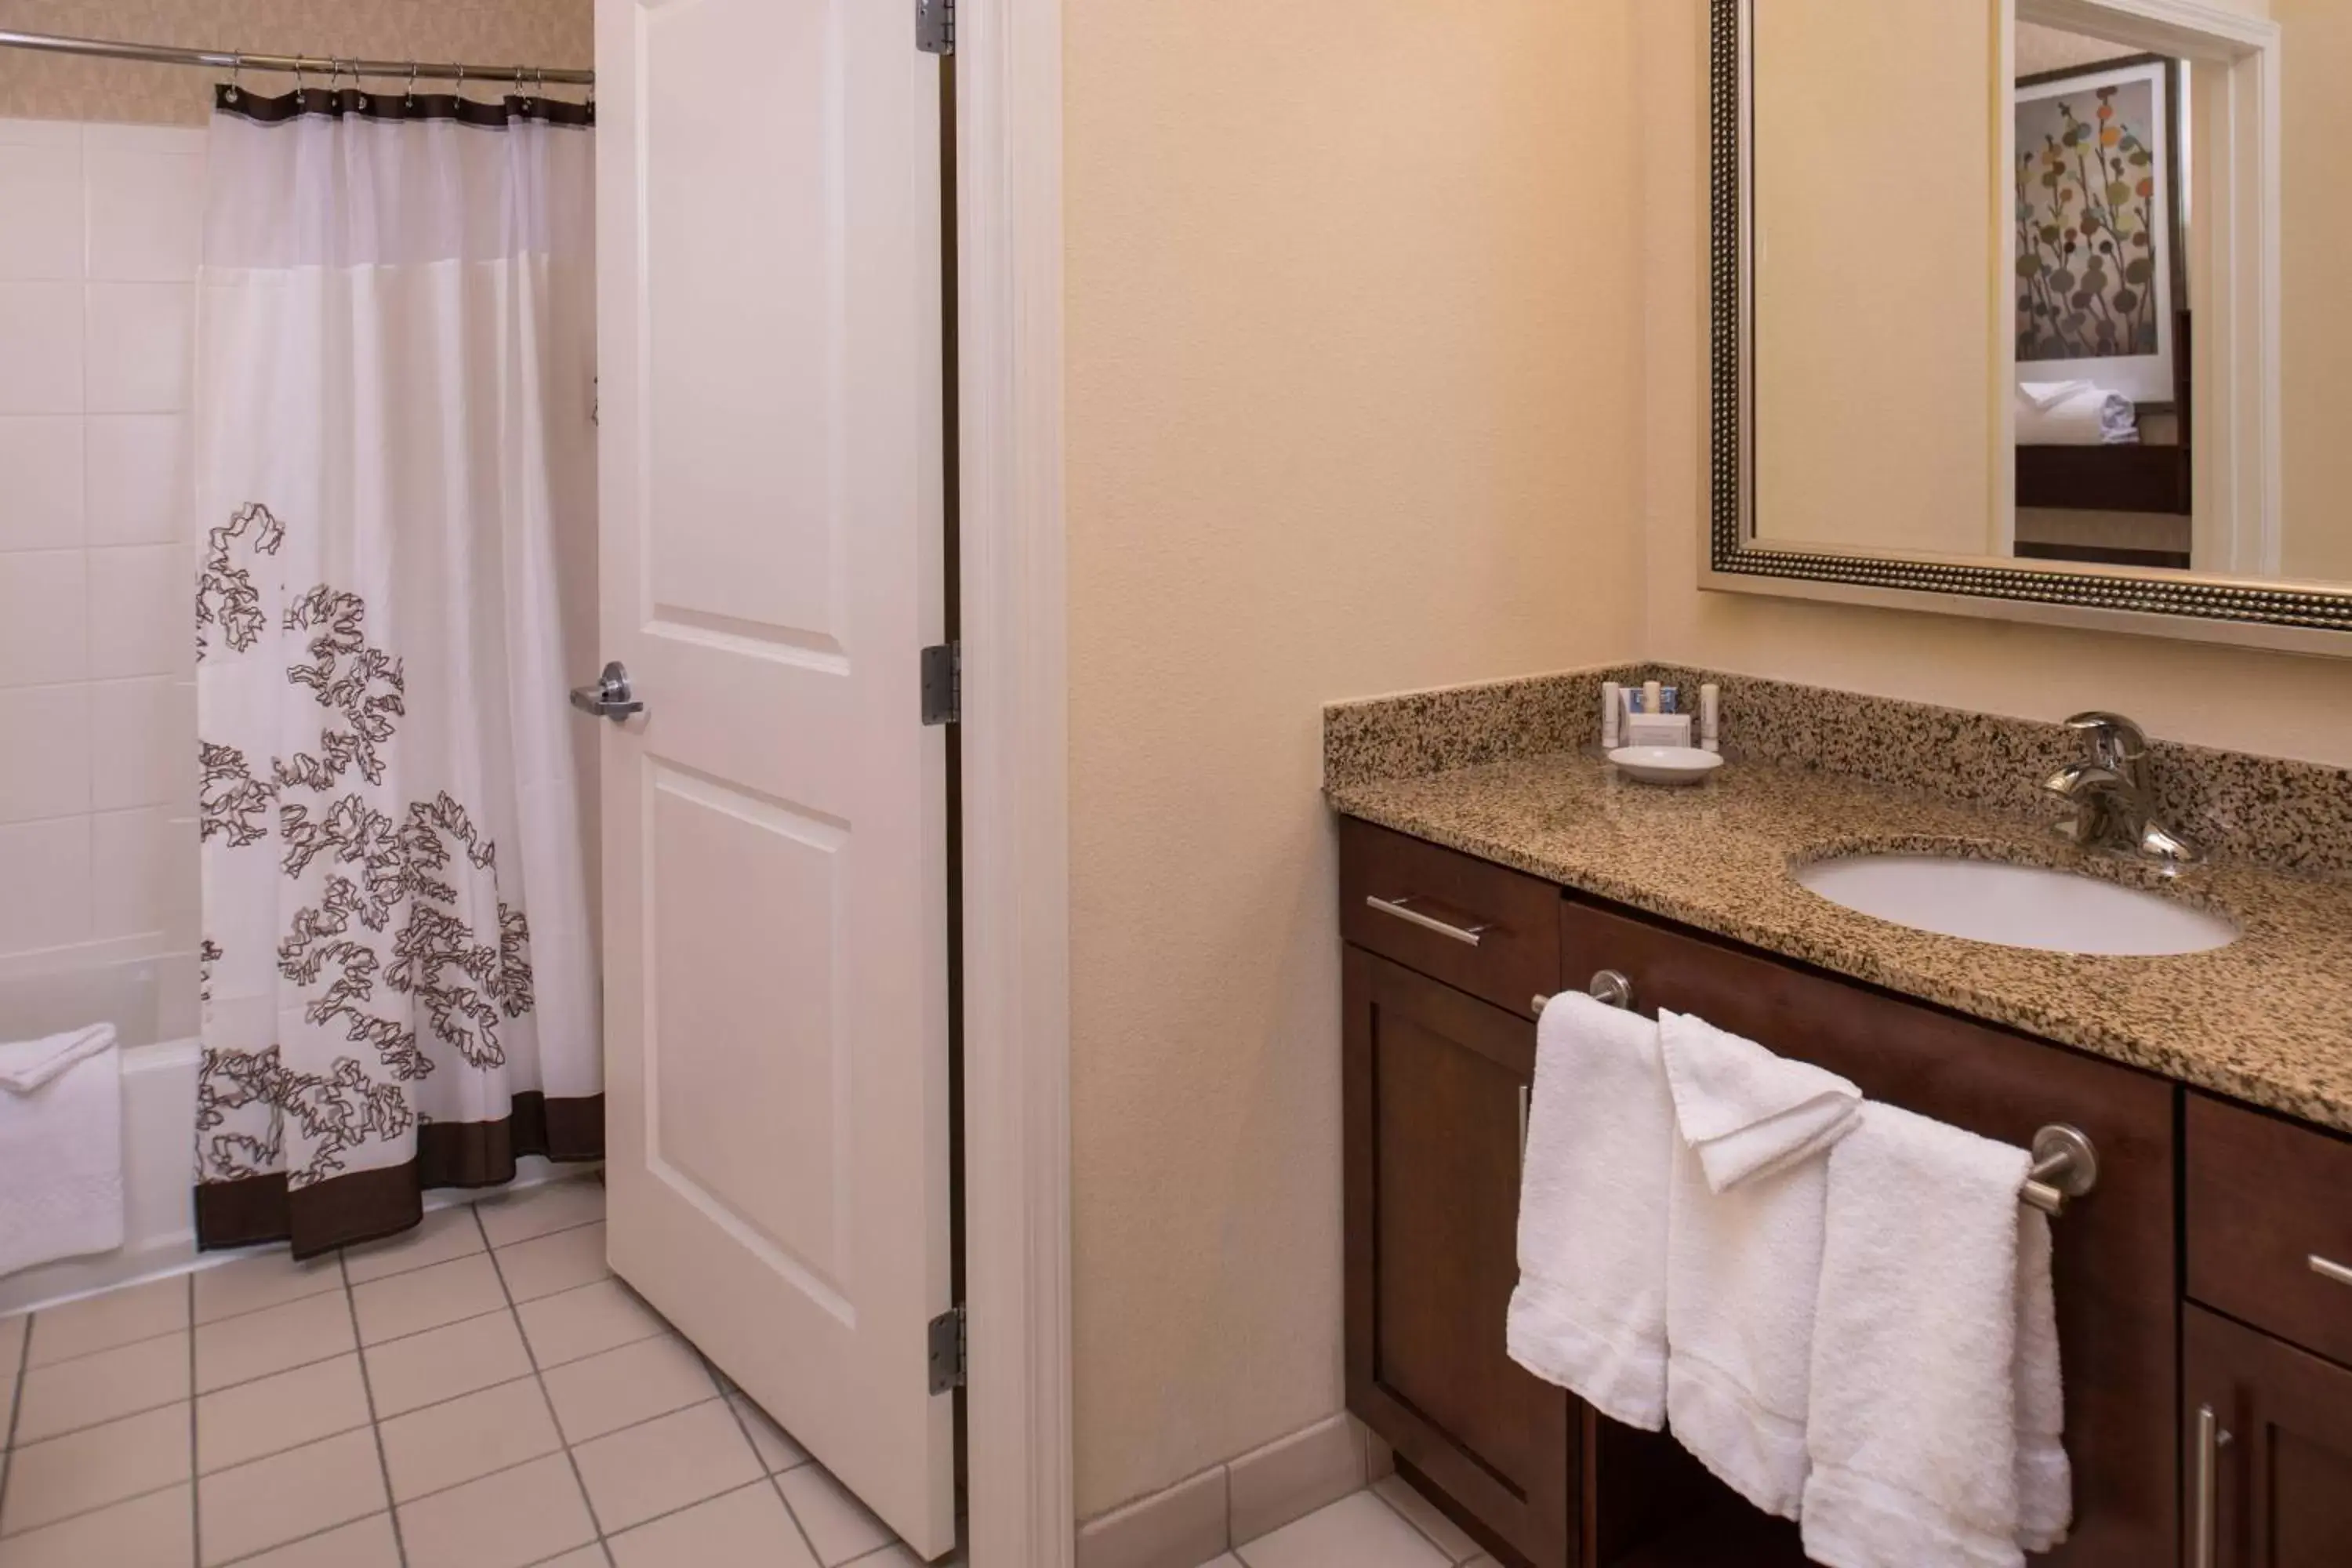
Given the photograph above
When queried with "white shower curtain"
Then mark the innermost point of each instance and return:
(396, 488)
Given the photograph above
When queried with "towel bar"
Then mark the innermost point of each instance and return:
(2065, 1164)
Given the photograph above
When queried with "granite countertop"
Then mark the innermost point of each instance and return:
(2267, 1019)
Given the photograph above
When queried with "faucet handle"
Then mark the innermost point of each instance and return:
(2112, 738)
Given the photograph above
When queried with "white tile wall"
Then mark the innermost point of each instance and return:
(100, 231)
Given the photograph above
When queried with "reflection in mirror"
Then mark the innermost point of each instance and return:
(2053, 281)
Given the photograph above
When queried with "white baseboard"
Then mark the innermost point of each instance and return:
(1185, 1525)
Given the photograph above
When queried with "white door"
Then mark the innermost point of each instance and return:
(774, 824)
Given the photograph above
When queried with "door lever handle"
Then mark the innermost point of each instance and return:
(610, 698)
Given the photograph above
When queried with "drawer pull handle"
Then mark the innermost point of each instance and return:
(2210, 1439)
(1467, 935)
(2328, 1269)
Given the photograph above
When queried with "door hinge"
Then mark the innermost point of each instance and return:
(935, 27)
(948, 1351)
(943, 683)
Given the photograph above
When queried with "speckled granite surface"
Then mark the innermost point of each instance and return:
(2292, 816)
(2267, 1019)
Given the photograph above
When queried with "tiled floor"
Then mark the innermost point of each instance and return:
(1389, 1526)
(479, 1392)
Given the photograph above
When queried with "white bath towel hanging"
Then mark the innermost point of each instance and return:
(1748, 1196)
(60, 1147)
(1589, 1312)
(1935, 1394)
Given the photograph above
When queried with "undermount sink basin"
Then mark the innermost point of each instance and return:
(2016, 906)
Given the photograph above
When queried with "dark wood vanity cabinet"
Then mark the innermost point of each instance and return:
(1440, 1044)
(2267, 1446)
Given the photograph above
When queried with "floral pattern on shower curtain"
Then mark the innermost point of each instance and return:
(395, 488)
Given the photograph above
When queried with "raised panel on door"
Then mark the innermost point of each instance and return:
(1434, 1083)
(775, 824)
(2281, 1451)
(2115, 1252)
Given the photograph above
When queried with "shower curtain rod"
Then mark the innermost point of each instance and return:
(229, 60)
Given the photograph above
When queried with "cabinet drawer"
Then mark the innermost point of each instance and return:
(1492, 933)
(2266, 1198)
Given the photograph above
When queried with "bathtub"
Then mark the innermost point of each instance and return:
(150, 1000)
(145, 998)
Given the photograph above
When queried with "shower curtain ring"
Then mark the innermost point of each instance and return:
(409, 103)
(236, 70)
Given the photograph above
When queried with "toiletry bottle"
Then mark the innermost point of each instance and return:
(1611, 702)
(1710, 717)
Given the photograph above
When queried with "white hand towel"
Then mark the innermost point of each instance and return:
(60, 1147)
(1589, 1312)
(1920, 1360)
(1745, 1112)
(1743, 1247)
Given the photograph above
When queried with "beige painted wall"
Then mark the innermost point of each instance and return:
(48, 87)
(1882, 290)
(2316, 227)
(2280, 704)
(1354, 406)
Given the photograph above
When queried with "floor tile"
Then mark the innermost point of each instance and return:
(446, 1443)
(426, 1299)
(774, 1445)
(515, 1517)
(747, 1527)
(899, 1554)
(12, 1340)
(91, 1468)
(424, 1369)
(240, 1349)
(510, 1217)
(441, 1236)
(1226, 1560)
(838, 1525)
(1360, 1531)
(288, 1496)
(604, 1393)
(1422, 1515)
(583, 1321)
(102, 1323)
(234, 1425)
(103, 1386)
(547, 1264)
(585, 1557)
(363, 1544)
(665, 1464)
(157, 1531)
(269, 1278)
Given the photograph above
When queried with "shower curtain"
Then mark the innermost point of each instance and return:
(396, 493)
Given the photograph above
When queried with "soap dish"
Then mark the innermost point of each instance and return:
(1666, 764)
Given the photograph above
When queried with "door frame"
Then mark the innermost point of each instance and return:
(1015, 690)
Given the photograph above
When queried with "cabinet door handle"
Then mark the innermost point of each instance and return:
(2211, 1440)
(1467, 935)
(2328, 1269)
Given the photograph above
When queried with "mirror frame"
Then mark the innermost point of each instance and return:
(2178, 604)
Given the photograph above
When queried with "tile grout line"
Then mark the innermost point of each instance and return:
(15, 1403)
(196, 1464)
(375, 1427)
(775, 1478)
(531, 1354)
(1443, 1550)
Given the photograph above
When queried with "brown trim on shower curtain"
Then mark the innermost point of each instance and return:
(366, 1205)
(398, 105)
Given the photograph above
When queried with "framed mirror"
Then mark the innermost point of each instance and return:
(2036, 309)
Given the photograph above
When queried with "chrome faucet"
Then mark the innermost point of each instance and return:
(2114, 808)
